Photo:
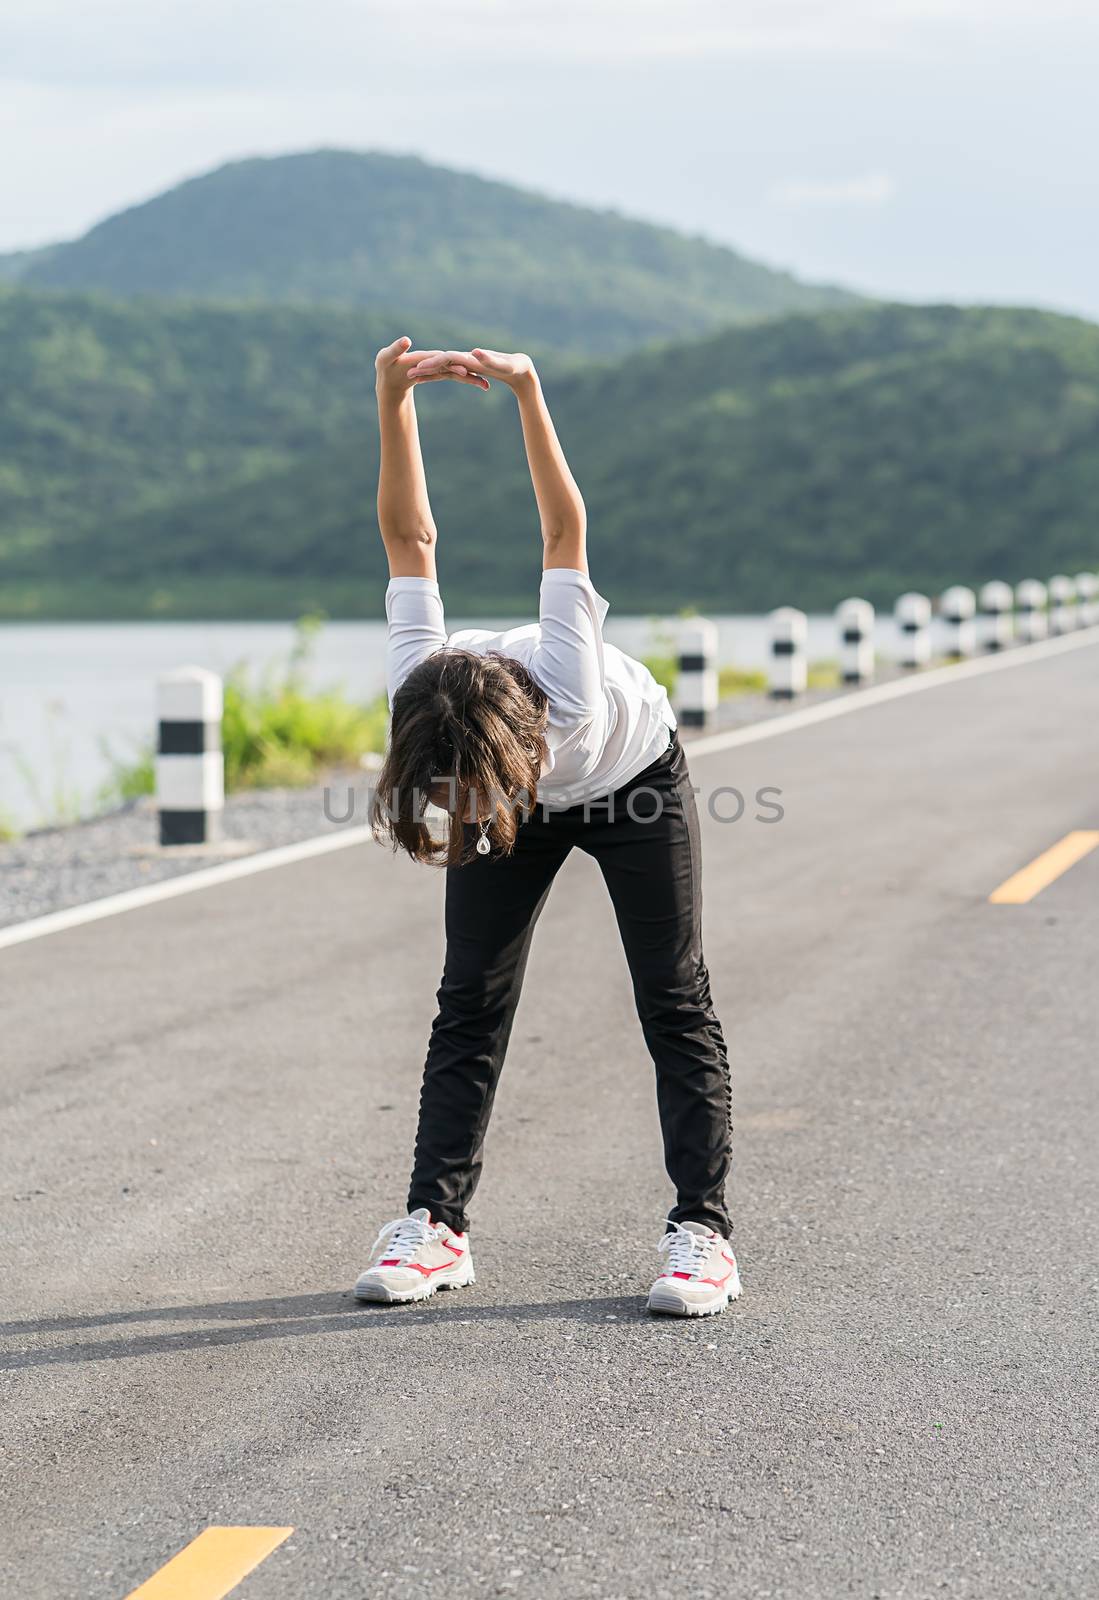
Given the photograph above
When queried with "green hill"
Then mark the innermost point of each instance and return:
(112, 410)
(15, 264)
(196, 461)
(392, 233)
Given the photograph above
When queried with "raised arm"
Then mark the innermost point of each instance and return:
(404, 509)
(560, 503)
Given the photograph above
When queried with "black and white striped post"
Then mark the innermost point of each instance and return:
(957, 607)
(855, 622)
(1062, 604)
(996, 602)
(913, 617)
(789, 629)
(1087, 592)
(696, 672)
(190, 767)
(1031, 622)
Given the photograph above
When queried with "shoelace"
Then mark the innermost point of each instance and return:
(402, 1237)
(686, 1251)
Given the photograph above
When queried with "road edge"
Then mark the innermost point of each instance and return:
(709, 744)
(169, 889)
(897, 689)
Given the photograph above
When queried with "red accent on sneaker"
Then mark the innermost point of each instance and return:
(394, 1261)
(681, 1274)
(427, 1271)
(717, 1282)
(455, 1249)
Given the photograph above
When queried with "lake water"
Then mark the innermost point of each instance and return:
(69, 692)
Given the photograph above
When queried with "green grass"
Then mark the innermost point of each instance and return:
(128, 780)
(664, 670)
(730, 681)
(823, 675)
(52, 793)
(276, 733)
(285, 736)
(740, 680)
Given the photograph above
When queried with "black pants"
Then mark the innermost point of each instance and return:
(646, 840)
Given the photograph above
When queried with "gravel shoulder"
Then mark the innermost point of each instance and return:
(55, 868)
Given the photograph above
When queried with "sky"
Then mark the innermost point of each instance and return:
(923, 149)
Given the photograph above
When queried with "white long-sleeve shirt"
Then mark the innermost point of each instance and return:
(609, 719)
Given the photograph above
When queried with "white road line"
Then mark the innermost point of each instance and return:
(265, 860)
(859, 699)
(204, 878)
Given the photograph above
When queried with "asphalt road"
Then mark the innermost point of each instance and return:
(208, 1107)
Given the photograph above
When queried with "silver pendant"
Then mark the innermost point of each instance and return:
(483, 846)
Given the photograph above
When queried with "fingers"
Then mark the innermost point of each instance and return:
(404, 368)
(414, 358)
(498, 363)
(450, 375)
(467, 360)
(438, 360)
(454, 363)
(389, 353)
(457, 364)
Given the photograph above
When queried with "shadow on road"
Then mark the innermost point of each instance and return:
(290, 1317)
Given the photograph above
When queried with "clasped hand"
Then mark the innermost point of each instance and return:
(399, 368)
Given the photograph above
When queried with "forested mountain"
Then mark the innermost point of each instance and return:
(16, 264)
(109, 408)
(395, 234)
(195, 461)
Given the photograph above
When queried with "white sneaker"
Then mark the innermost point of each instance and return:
(412, 1257)
(701, 1276)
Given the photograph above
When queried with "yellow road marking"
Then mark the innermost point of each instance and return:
(212, 1564)
(1042, 871)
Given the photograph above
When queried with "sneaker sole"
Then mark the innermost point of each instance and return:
(379, 1293)
(665, 1304)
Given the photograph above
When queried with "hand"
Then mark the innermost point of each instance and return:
(514, 370)
(394, 369)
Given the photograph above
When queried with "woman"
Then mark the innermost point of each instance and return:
(534, 741)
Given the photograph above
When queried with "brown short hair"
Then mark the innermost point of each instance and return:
(478, 723)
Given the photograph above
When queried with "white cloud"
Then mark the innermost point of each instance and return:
(868, 189)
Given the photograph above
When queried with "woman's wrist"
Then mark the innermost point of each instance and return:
(394, 400)
(526, 384)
